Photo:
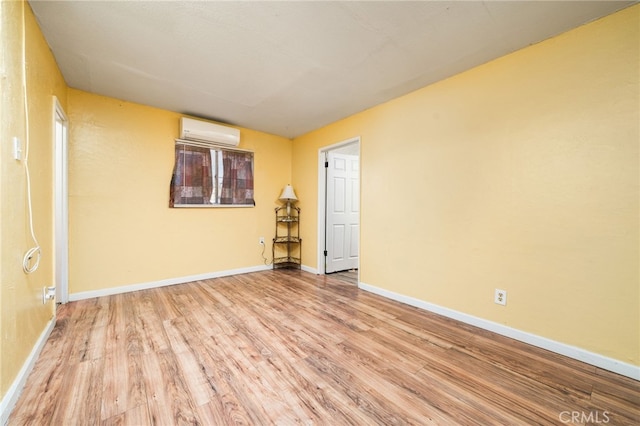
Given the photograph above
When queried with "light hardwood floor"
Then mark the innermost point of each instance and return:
(288, 347)
(350, 276)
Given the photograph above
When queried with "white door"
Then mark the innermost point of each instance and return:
(61, 231)
(343, 215)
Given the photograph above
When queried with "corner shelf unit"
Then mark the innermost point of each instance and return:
(287, 244)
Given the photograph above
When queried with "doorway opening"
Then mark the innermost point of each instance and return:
(339, 207)
(61, 211)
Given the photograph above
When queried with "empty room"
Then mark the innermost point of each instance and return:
(319, 212)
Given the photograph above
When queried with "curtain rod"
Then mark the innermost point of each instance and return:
(210, 145)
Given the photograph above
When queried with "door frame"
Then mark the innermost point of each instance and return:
(322, 199)
(61, 204)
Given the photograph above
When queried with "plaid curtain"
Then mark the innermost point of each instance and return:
(191, 181)
(237, 178)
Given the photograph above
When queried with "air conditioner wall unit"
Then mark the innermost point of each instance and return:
(203, 131)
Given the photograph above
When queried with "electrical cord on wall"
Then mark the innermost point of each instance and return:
(29, 265)
(31, 259)
(264, 259)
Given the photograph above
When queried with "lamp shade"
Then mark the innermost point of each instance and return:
(288, 194)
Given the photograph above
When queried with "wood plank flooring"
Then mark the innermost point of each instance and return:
(288, 347)
(349, 276)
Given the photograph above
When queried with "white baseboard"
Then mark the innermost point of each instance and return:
(309, 269)
(11, 397)
(606, 363)
(162, 283)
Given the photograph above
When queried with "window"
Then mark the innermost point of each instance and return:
(209, 176)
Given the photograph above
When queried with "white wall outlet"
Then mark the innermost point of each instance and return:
(48, 293)
(500, 297)
(261, 241)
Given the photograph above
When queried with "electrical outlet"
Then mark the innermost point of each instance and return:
(261, 241)
(48, 293)
(500, 297)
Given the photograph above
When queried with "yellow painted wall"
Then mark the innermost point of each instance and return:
(122, 231)
(521, 174)
(23, 316)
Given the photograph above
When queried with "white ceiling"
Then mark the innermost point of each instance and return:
(288, 67)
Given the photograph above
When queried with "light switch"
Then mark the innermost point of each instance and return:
(17, 148)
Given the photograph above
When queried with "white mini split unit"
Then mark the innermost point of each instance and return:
(203, 131)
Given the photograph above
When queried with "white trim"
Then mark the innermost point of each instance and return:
(214, 145)
(61, 203)
(13, 393)
(163, 283)
(321, 196)
(212, 206)
(611, 364)
(309, 269)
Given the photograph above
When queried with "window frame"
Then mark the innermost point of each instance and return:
(215, 178)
